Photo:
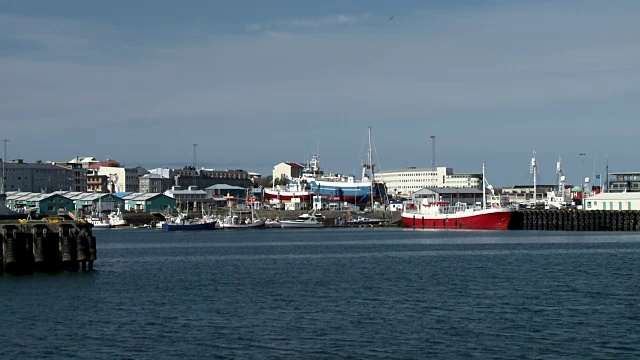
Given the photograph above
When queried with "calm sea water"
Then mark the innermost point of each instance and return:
(334, 293)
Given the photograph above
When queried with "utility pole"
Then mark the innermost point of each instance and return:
(433, 151)
(194, 155)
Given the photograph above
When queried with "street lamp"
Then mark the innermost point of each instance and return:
(582, 155)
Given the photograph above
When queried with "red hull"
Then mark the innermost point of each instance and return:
(288, 196)
(487, 221)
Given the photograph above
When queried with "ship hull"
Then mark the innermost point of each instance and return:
(287, 195)
(478, 220)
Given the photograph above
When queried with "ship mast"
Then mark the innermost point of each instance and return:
(371, 168)
(534, 171)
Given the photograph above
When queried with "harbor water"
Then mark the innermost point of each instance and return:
(334, 293)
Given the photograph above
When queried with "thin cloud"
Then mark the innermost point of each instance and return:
(309, 23)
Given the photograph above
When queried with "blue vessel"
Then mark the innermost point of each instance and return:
(189, 227)
(183, 223)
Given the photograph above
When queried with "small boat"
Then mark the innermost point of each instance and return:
(310, 220)
(365, 221)
(275, 223)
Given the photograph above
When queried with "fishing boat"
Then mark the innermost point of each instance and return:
(98, 221)
(309, 220)
(117, 219)
(293, 189)
(183, 223)
(242, 219)
(431, 213)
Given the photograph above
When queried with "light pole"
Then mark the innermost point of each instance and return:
(433, 151)
(582, 155)
(194, 156)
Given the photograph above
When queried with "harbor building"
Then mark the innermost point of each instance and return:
(624, 182)
(36, 177)
(148, 202)
(613, 201)
(41, 204)
(404, 182)
(189, 199)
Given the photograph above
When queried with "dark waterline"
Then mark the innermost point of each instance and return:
(334, 293)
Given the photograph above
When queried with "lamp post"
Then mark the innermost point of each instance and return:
(433, 151)
(582, 155)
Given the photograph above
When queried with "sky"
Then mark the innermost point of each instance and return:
(255, 83)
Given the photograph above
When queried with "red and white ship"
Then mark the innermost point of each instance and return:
(433, 214)
(441, 215)
(288, 192)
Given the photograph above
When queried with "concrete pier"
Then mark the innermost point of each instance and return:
(47, 245)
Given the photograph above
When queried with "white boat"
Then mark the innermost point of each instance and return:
(365, 221)
(117, 219)
(310, 220)
(241, 219)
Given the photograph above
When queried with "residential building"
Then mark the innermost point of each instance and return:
(97, 183)
(155, 183)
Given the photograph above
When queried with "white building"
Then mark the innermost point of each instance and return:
(287, 170)
(613, 201)
(121, 179)
(405, 182)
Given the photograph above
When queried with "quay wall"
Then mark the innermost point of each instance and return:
(47, 245)
(576, 220)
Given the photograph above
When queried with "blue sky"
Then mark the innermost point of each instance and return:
(255, 83)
